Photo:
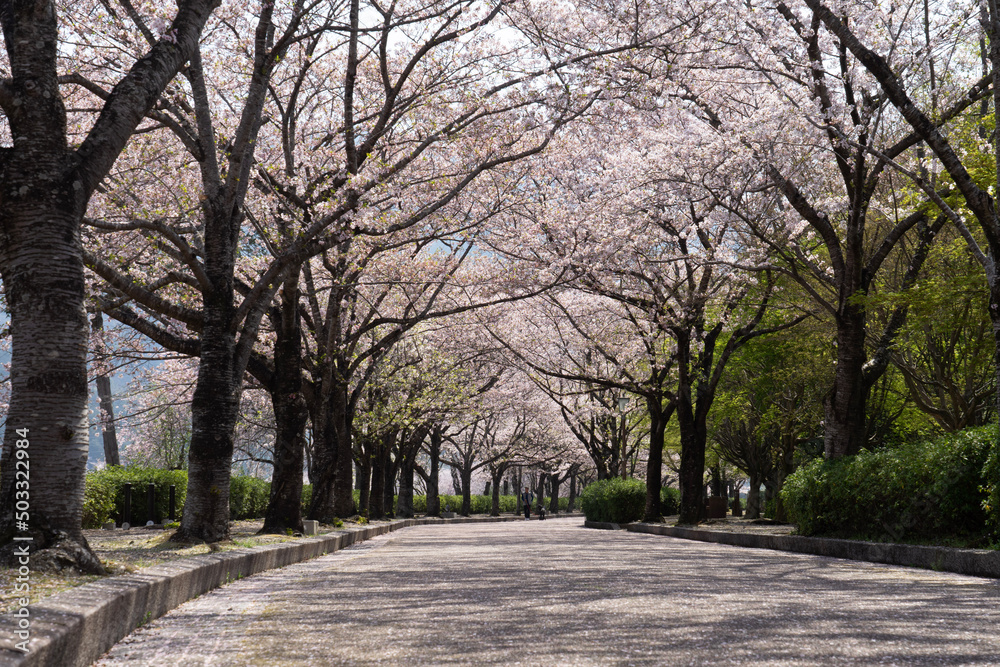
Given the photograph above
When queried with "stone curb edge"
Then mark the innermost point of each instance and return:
(77, 626)
(972, 562)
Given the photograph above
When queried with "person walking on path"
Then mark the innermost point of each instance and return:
(526, 498)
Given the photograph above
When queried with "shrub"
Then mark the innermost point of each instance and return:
(98, 499)
(670, 501)
(614, 500)
(921, 490)
(307, 494)
(104, 494)
(479, 504)
(419, 504)
(991, 478)
(248, 497)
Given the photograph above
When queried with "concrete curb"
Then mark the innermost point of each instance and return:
(972, 562)
(604, 525)
(77, 626)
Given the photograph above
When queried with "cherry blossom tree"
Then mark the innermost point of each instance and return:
(651, 246)
(848, 218)
(47, 182)
(430, 101)
(227, 331)
(930, 125)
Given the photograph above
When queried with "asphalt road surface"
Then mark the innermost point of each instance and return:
(555, 593)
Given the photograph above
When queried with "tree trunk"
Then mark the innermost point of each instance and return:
(376, 502)
(572, 493)
(466, 478)
(214, 410)
(343, 481)
(284, 508)
(391, 469)
(334, 459)
(109, 433)
(785, 467)
(844, 406)
(517, 492)
(540, 492)
(47, 419)
(363, 482)
(753, 498)
(692, 473)
(495, 494)
(41, 261)
(770, 486)
(654, 465)
(554, 482)
(404, 502)
(434, 449)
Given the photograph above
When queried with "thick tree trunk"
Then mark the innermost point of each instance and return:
(333, 459)
(844, 406)
(994, 309)
(47, 419)
(284, 509)
(214, 410)
(434, 449)
(343, 481)
(692, 473)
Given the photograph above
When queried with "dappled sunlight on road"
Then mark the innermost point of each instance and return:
(556, 593)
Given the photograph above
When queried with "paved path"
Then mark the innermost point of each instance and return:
(554, 593)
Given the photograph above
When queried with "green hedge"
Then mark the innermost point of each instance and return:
(248, 498)
(104, 494)
(614, 500)
(104, 497)
(925, 490)
(481, 504)
(991, 475)
(670, 501)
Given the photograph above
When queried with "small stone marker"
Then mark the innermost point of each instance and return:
(310, 527)
(109, 525)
